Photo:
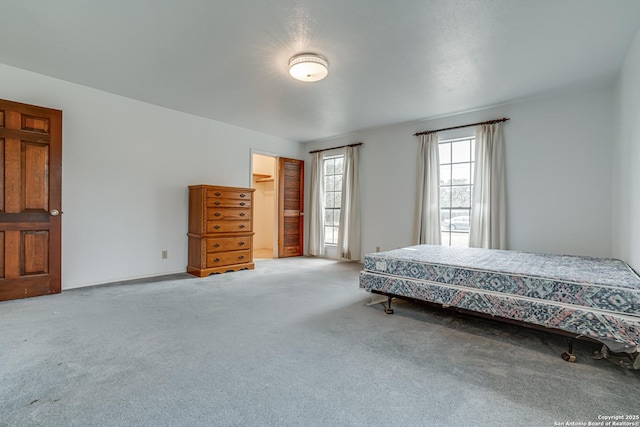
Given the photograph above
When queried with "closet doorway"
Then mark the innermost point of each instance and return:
(265, 206)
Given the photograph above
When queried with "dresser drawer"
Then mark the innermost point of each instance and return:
(228, 203)
(223, 244)
(214, 193)
(232, 225)
(228, 258)
(228, 213)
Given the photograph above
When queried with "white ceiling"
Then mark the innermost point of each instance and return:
(390, 61)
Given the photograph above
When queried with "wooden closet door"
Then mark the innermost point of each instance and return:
(290, 207)
(30, 200)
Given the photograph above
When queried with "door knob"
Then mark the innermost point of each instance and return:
(54, 212)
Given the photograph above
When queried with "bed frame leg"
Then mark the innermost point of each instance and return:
(388, 309)
(568, 355)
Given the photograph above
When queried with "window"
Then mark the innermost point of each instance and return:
(457, 157)
(333, 166)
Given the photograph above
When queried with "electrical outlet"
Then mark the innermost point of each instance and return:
(377, 248)
(165, 254)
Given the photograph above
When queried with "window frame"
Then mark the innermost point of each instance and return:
(337, 196)
(447, 212)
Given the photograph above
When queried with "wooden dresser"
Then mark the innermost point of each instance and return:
(220, 229)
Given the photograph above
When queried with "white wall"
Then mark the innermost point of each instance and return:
(626, 161)
(558, 150)
(126, 168)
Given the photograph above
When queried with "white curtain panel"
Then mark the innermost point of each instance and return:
(428, 206)
(316, 206)
(349, 229)
(488, 227)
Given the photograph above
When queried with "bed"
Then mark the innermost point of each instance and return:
(580, 297)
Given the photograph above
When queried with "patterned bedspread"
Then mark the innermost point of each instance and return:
(595, 297)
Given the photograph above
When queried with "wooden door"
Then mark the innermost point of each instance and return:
(30, 200)
(290, 207)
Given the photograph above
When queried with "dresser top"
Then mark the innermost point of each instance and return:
(220, 187)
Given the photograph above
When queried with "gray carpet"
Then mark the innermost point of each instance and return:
(291, 343)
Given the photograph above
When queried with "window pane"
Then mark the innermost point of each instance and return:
(337, 199)
(328, 217)
(461, 197)
(461, 174)
(338, 183)
(328, 167)
(461, 151)
(473, 150)
(336, 217)
(445, 215)
(445, 218)
(459, 212)
(445, 197)
(473, 171)
(339, 162)
(328, 183)
(328, 234)
(445, 153)
(445, 174)
(328, 200)
(460, 221)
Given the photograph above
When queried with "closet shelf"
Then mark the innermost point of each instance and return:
(261, 177)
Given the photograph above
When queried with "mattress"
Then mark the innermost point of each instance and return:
(594, 297)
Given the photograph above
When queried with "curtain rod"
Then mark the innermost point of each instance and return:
(489, 122)
(335, 148)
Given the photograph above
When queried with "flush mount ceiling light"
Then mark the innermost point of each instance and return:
(308, 67)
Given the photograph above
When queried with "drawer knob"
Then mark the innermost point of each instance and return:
(241, 243)
(216, 245)
(217, 202)
(241, 225)
(216, 226)
(217, 193)
(241, 257)
(242, 195)
(216, 260)
(216, 214)
(241, 213)
(242, 203)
